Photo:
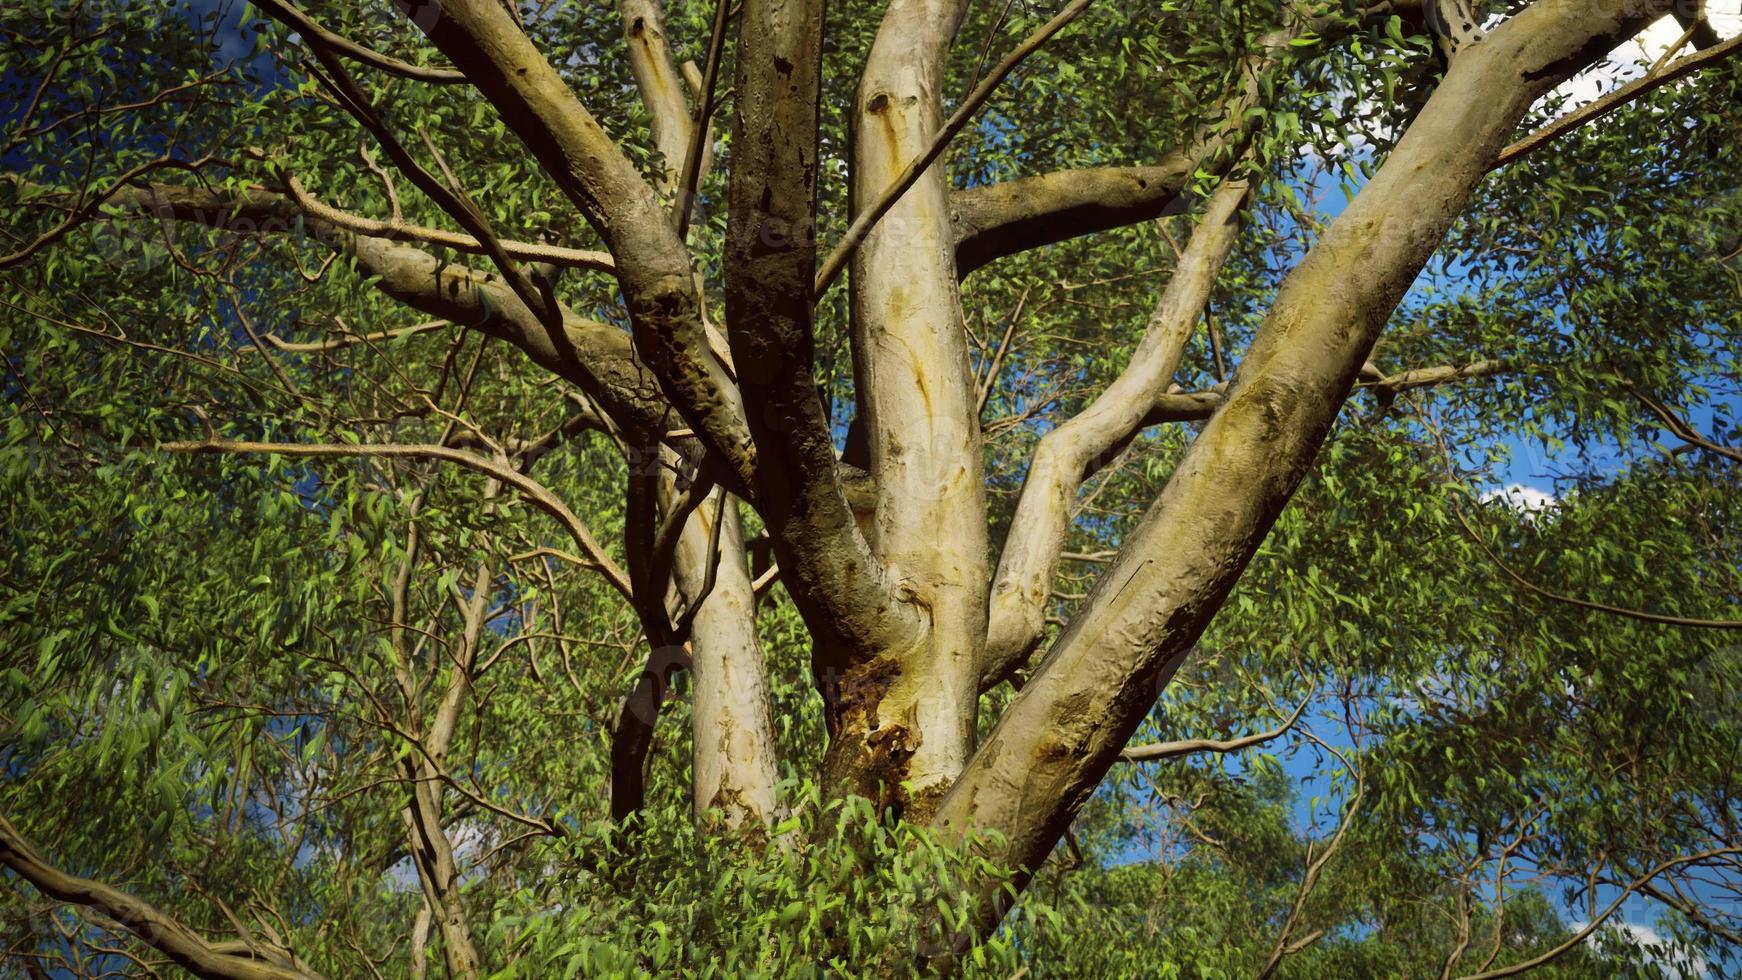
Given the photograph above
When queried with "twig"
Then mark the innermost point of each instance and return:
(534, 491)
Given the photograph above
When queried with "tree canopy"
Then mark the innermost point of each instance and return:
(776, 488)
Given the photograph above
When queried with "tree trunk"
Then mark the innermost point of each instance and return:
(733, 735)
(908, 715)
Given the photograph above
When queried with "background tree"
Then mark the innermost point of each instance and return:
(920, 486)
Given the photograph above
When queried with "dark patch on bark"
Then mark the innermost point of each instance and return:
(1593, 49)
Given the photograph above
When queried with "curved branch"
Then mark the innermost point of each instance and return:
(303, 24)
(1639, 614)
(394, 231)
(534, 491)
(1192, 746)
(1681, 428)
(596, 357)
(1015, 216)
(163, 932)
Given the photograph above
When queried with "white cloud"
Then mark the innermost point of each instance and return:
(1522, 498)
(1661, 951)
(470, 840)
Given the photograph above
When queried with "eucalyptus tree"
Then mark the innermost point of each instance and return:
(854, 337)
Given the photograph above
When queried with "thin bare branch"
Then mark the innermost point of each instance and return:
(531, 489)
(1193, 746)
(306, 26)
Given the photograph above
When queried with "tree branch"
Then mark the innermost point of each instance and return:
(536, 493)
(1072, 452)
(1638, 614)
(653, 267)
(1597, 921)
(1681, 428)
(1192, 746)
(695, 164)
(661, 88)
(1074, 714)
(1197, 406)
(300, 22)
(1017, 215)
(597, 358)
(395, 231)
(1634, 90)
(164, 933)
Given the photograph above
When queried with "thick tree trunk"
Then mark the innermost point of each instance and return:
(908, 715)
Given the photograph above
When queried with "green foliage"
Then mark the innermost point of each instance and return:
(198, 666)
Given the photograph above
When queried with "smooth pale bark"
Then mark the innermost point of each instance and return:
(902, 724)
(661, 87)
(1067, 726)
(837, 583)
(1072, 453)
(734, 762)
